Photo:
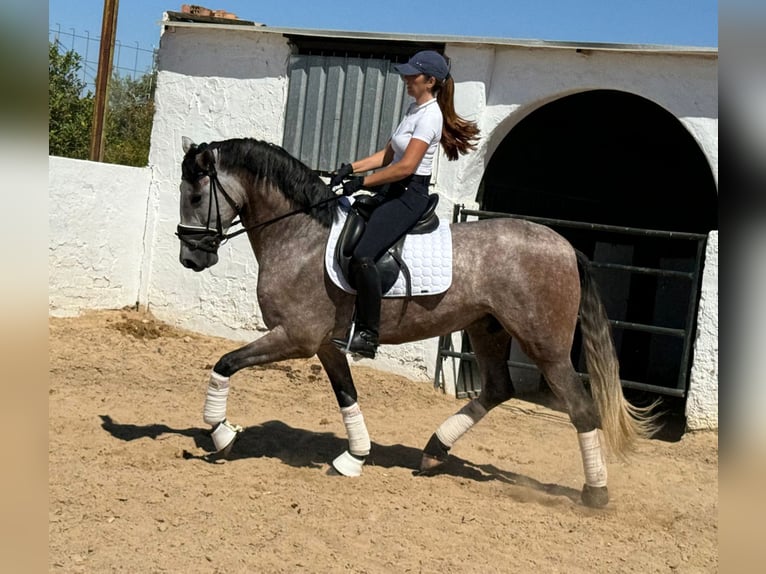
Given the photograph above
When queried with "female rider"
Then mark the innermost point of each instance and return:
(407, 162)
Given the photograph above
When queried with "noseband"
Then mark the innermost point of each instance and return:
(209, 238)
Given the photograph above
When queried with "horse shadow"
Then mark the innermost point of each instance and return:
(303, 448)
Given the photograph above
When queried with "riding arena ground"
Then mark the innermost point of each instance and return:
(131, 488)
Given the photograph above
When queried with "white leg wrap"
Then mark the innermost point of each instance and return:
(460, 423)
(592, 458)
(358, 438)
(215, 401)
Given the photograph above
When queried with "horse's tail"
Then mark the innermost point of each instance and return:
(621, 422)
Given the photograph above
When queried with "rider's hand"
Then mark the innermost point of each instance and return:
(352, 185)
(341, 173)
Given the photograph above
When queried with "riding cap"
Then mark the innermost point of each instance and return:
(427, 62)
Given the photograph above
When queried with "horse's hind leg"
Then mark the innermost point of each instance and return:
(565, 383)
(491, 345)
(336, 365)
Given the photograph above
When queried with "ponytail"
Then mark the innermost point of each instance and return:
(458, 135)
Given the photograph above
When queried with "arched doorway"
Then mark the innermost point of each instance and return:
(617, 160)
(603, 156)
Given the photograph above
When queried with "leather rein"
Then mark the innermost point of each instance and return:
(209, 238)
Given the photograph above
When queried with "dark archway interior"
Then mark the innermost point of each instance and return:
(604, 157)
(614, 158)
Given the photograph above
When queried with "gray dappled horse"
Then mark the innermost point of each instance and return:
(511, 278)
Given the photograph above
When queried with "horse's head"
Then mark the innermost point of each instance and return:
(207, 208)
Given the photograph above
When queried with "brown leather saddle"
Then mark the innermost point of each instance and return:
(391, 263)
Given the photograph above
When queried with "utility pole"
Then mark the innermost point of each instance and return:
(105, 56)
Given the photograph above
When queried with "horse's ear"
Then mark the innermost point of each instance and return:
(187, 144)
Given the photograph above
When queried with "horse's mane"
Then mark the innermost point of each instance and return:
(261, 160)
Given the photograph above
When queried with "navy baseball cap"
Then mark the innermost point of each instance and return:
(427, 62)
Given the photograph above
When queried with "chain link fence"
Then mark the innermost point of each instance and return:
(129, 60)
(130, 109)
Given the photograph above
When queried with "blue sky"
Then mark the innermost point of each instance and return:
(674, 22)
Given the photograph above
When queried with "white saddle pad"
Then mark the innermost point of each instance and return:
(428, 256)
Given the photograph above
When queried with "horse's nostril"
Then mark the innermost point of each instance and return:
(190, 264)
(197, 261)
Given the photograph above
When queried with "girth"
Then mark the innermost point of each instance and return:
(391, 263)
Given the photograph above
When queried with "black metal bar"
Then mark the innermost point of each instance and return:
(693, 296)
(445, 346)
(643, 270)
(520, 365)
(627, 326)
(591, 226)
(439, 365)
(459, 211)
(670, 391)
(456, 212)
(458, 355)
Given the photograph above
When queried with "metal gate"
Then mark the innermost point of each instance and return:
(677, 276)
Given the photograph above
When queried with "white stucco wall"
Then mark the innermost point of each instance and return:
(96, 222)
(235, 85)
(702, 400)
(220, 83)
(499, 85)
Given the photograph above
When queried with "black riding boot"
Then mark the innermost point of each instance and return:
(363, 339)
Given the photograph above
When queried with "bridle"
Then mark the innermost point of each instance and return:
(209, 238)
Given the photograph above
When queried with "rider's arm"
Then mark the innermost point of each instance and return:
(413, 155)
(376, 160)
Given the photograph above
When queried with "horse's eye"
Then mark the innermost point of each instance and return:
(195, 199)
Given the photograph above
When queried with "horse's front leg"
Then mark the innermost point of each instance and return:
(276, 345)
(335, 364)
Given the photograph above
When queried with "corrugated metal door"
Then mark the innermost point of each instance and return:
(341, 108)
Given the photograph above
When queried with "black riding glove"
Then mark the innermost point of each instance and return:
(341, 173)
(352, 185)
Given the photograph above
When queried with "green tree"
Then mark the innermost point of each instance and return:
(129, 119)
(70, 112)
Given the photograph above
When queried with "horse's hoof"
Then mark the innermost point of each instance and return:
(348, 465)
(595, 496)
(224, 436)
(435, 454)
(429, 464)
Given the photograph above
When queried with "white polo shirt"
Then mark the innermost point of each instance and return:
(420, 122)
